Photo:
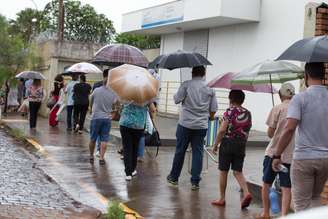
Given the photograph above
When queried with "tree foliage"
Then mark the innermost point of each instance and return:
(140, 41)
(15, 55)
(27, 23)
(82, 23)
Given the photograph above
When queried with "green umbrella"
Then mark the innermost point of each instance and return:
(269, 72)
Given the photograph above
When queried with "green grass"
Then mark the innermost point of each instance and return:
(114, 211)
(17, 133)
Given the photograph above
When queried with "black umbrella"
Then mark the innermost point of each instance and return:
(182, 59)
(314, 49)
(155, 62)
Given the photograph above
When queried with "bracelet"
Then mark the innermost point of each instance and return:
(276, 157)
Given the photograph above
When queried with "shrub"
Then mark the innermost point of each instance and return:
(114, 211)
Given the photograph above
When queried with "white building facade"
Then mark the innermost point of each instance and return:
(232, 34)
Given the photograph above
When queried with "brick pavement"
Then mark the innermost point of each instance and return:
(26, 192)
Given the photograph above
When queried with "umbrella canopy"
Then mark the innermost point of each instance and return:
(269, 72)
(314, 49)
(118, 54)
(182, 59)
(133, 84)
(224, 81)
(83, 68)
(30, 75)
(155, 62)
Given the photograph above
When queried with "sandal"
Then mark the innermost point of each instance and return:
(102, 162)
(218, 203)
(246, 201)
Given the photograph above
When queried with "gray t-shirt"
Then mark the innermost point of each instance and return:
(198, 100)
(310, 108)
(102, 100)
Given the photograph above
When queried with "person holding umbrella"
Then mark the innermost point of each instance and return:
(307, 112)
(276, 123)
(70, 100)
(81, 92)
(35, 96)
(136, 88)
(198, 103)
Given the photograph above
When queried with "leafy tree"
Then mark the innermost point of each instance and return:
(82, 23)
(140, 41)
(15, 56)
(28, 22)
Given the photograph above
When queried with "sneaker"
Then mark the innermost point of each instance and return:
(76, 129)
(140, 159)
(134, 173)
(69, 129)
(128, 178)
(122, 157)
(195, 187)
(80, 131)
(97, 154)
(171, 181)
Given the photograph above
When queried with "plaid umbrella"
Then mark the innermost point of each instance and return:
(118, 54)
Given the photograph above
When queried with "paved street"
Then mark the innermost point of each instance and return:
(26, 192)
(65, 158)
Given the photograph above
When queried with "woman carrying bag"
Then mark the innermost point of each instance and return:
(54, 100)
(132, 126)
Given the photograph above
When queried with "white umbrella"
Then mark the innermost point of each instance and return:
(83, 67)
(268, 72)
(30, 75)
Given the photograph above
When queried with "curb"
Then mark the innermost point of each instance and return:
(39, 149)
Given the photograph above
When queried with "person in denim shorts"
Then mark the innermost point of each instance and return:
(103, 99)
(276, 123)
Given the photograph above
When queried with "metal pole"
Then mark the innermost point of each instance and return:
(271, 90)
(61, 21)
(167, 95)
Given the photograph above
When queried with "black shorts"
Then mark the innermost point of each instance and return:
(232, 154)
(269, 175)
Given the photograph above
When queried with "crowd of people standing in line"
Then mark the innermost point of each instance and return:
(297, 128)
(297, 152)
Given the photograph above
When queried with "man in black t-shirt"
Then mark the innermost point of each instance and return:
(81, 92)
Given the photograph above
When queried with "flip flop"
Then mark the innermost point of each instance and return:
(218, 203)
(246, 201)
(102, 162)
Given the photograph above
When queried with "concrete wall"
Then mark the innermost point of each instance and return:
(56, 56)
(235, 47)
(151, 54)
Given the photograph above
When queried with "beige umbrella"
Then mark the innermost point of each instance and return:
(133, 84)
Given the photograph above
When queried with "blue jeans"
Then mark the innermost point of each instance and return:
(141, 147)
(196, 138)
(69, 116)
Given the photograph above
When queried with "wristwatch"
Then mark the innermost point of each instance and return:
(276, 157)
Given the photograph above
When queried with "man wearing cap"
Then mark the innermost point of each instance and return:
(276, 122)
(307, 114)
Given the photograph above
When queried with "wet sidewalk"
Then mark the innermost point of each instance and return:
(65, 157)
(26, 192)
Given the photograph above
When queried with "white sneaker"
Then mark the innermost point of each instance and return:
(134, 173)
(97, 154)
(128, 178)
